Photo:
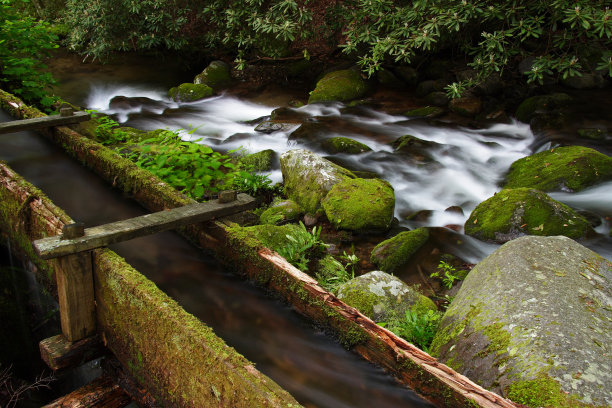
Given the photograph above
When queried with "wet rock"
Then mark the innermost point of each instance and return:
(468, 106)
(588, 80)
(382, 297)
(419, 216)
(512, 213)
(454, 209)
(412, 146)
(389, 79)
(281, 212)
(309, 177)
(571, 168)
(541, 103)
(309, 130)
(310, 220)
(190, 92)
(288, 115)
(271, 126)
(260, 161)
(336, 145)
(437, 98)
(426, 112)
(360, 205)
(342, 86)
(391, 254)
(426, 87)
(130, 103)
(216, 75)
(533, 322)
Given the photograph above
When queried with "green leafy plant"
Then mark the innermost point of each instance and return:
(417, 328)
(300, 245)
(332, 273)
(447, 273)
(252, 183)
(23, 42)
(107, 130)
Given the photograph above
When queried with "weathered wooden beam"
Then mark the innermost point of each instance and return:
(101, 392)
(47, 121)
(76, 295)
(59, 353)
(97, 237)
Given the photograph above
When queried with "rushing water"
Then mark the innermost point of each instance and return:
(465, 166)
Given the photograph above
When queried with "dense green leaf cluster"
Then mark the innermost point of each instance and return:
(564, 36)
(23, 41)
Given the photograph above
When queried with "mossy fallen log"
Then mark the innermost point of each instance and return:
(178, 359)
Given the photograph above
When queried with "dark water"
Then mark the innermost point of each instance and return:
(309, 364)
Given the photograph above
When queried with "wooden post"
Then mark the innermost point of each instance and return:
(75, 290)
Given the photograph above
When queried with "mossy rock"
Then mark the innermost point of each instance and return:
(512, 213)
(382, 296)
(528, 108)
(360, 205)
(426, 112)
(414, 147)
(437, 98)
(394, 252)
(260, 161)
(216, 75)
(281, 212)
(571, 168)
(190, 92)
(532, 322)
(591, 133)
(308, 178)
(341, 86)
(387, 78)
(468, 106)
(347, 145)
(273, 237)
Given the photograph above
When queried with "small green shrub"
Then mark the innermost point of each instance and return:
(300, 245)
(107, 131)
(417, 328)
(448, 274)
(252, 183)
(332, 273)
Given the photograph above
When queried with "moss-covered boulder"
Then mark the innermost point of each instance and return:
(512, 213)
(273, 237)
(468, 106)
(260, 161)
(394, 252)
(382, 296)
(308, 178)
(347, 145)
(541, 103)
(571, 168)
(360, 205)
(281, 212)
(413, 147)
(428, 112)
(533, 322)
(190, 92)
(342, 86)
(216, 75)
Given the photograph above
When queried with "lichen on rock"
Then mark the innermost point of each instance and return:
(512, 213)
(342, 86)
(360, 204)
(571, 168)
(537, 311)
(382, 296)
(394, 252)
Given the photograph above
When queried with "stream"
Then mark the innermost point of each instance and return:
(465, 167)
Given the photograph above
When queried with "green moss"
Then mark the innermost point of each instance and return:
(360, 204)
(216, 75)
(340, 86)
(344, 145)
(450, 329)
(190, 92)
(260, 161)
(542, 392)
(573, 168)
(522, 211)
(391, 254)
(280, 212)
(360, 299)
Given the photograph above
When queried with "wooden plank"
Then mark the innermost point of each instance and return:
(97, 237)
(43, 122)
(59, 353)
(75, 292)
(101, 392)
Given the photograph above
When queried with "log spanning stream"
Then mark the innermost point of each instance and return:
(313, 367)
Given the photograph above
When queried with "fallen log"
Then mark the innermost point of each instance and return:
(101, 392)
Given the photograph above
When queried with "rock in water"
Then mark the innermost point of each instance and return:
(344, 85)
(533, 322)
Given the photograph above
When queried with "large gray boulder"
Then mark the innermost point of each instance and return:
(382, 296)
(309, 177)
(533, 322)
